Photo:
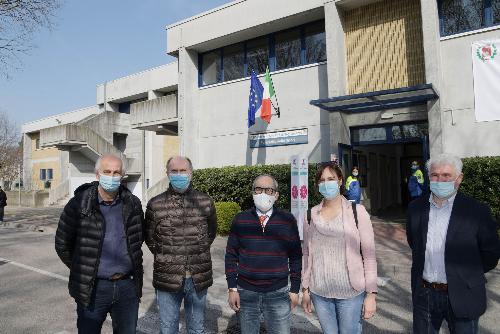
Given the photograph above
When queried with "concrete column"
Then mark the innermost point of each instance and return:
(335, 50)
(337, 72)
(27, 162)
(430, 34)
(153, 95)
(188, 104)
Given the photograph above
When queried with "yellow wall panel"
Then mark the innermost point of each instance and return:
(171, 146)
(384, 46)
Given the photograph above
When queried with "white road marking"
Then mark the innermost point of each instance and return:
(40, 271)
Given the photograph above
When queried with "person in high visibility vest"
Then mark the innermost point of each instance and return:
(352, 186)
(416, 181)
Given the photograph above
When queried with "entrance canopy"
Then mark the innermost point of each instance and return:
(380, 100)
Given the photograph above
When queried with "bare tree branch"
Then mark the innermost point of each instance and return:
(19, 19)
(11, 155)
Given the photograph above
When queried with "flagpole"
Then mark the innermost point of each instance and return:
(276, 109)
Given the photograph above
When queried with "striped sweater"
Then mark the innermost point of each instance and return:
(261, 261)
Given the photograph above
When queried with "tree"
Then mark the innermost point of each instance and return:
(19, 19)
(11, 155)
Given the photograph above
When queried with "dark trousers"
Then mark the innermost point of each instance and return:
(431, 307)
(118, 298)
(1, 213)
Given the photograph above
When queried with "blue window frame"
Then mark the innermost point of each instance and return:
(289, 48)
(43, 174)
(457, 16)
(50, 174)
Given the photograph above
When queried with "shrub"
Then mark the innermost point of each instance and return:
(482, 181)
(234, 184)
(225, 214)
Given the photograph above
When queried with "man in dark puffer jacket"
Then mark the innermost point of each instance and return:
(99, 239)
(180, 227)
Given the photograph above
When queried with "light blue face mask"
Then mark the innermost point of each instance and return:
(442, 189)
(180, 182)
(329, 189)
(110, 184)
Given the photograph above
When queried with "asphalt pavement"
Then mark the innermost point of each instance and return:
(34, 296)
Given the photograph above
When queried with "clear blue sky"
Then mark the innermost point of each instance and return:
(93, 41)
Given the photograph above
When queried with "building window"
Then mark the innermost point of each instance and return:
(50, 174)
(124, 108)
(258, 55)
(234, 62)
(37, 143)
(43, 174)
(288, 48)
(285, 49)
(315, 42)
(211, 68)
(495, 6)
(458, 16)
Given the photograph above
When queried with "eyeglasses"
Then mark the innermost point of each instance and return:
(268, 191)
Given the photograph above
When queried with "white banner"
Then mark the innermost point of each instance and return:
(486, 69)
(299, 190)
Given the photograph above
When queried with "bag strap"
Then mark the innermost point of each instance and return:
(308, 216)
(355, 211)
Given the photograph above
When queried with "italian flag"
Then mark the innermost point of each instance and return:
(265, 112)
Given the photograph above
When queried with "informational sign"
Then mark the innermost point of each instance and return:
(486, 71)
(279, 138)
(299, 190)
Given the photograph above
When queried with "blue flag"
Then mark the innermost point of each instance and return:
(255, 98)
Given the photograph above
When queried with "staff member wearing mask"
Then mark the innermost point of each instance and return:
(339, 265)
(263, 251)
(352, 187)
(415, 181)
(181, 225)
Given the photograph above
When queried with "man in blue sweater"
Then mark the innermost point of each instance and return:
(263, 249)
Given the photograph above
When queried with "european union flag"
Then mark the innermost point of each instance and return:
(255, 98)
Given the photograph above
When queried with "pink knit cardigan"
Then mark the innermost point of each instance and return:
(362, 270)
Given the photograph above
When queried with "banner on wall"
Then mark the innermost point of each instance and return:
(486, 72)
(299, 190)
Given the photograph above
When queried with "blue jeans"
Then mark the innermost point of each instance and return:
(169, 305)
(274, 305)
(431, 307)
(339, 315)
(118, 298)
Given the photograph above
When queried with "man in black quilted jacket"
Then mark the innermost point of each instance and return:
(99, 239)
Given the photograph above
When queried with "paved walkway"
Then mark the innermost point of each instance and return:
(394, 301)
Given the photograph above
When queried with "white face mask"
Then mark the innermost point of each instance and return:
(264, 202)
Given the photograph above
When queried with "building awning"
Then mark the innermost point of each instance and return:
(380, 100)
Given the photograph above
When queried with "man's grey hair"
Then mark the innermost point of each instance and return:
(275, 183)
(180, 156)
(97, 166)
(445, 159)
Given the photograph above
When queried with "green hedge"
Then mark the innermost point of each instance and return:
(234, 184)
(225, 214)
(482, 181)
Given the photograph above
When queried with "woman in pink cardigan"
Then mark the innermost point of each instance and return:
(339, 270)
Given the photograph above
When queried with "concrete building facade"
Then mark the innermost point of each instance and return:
(60, 151)
(396, 84)
(372, 83)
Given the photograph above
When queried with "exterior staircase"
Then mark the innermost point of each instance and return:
(92, 137)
